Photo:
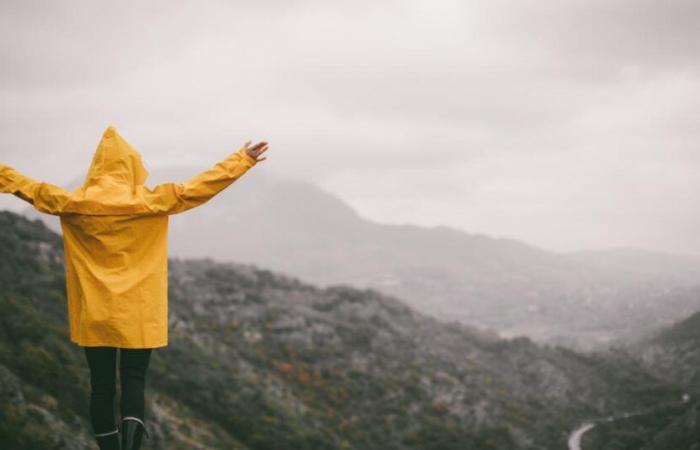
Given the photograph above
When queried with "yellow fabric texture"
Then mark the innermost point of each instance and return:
(115, 235)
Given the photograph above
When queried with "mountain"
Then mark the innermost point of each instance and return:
(262, 360)
(578, 299)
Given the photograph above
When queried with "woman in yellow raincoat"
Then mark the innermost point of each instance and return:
(115, 235)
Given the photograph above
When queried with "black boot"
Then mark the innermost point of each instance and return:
(108, 440)
(132, 432)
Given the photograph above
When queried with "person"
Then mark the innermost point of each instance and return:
(116, 264)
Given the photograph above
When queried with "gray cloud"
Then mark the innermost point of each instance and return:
(566, 124)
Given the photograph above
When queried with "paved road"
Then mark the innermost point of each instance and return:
(577, 435)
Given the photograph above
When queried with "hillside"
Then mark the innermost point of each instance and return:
(261, 360)
(674, 356)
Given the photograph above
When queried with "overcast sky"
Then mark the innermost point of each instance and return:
(565, 124)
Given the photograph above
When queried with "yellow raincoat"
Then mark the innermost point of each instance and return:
(115, 235)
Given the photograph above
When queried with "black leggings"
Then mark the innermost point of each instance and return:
(133, 364)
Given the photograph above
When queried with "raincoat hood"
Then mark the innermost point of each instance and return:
(114, 182)
(115, 164)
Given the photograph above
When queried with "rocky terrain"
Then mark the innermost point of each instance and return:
(262, 360)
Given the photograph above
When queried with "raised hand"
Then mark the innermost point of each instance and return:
(256, 150)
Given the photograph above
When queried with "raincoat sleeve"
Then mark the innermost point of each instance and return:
(45, 197)
(173, 198)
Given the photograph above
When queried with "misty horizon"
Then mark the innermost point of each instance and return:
(159, 175)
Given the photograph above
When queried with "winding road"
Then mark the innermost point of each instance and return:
(577, 435)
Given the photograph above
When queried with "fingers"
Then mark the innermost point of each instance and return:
(256, 150)
(259, 145)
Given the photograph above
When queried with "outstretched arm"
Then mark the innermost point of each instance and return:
(173, 198)
(45, 197)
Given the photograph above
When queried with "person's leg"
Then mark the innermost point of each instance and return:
(102, 364)
(133, 365)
